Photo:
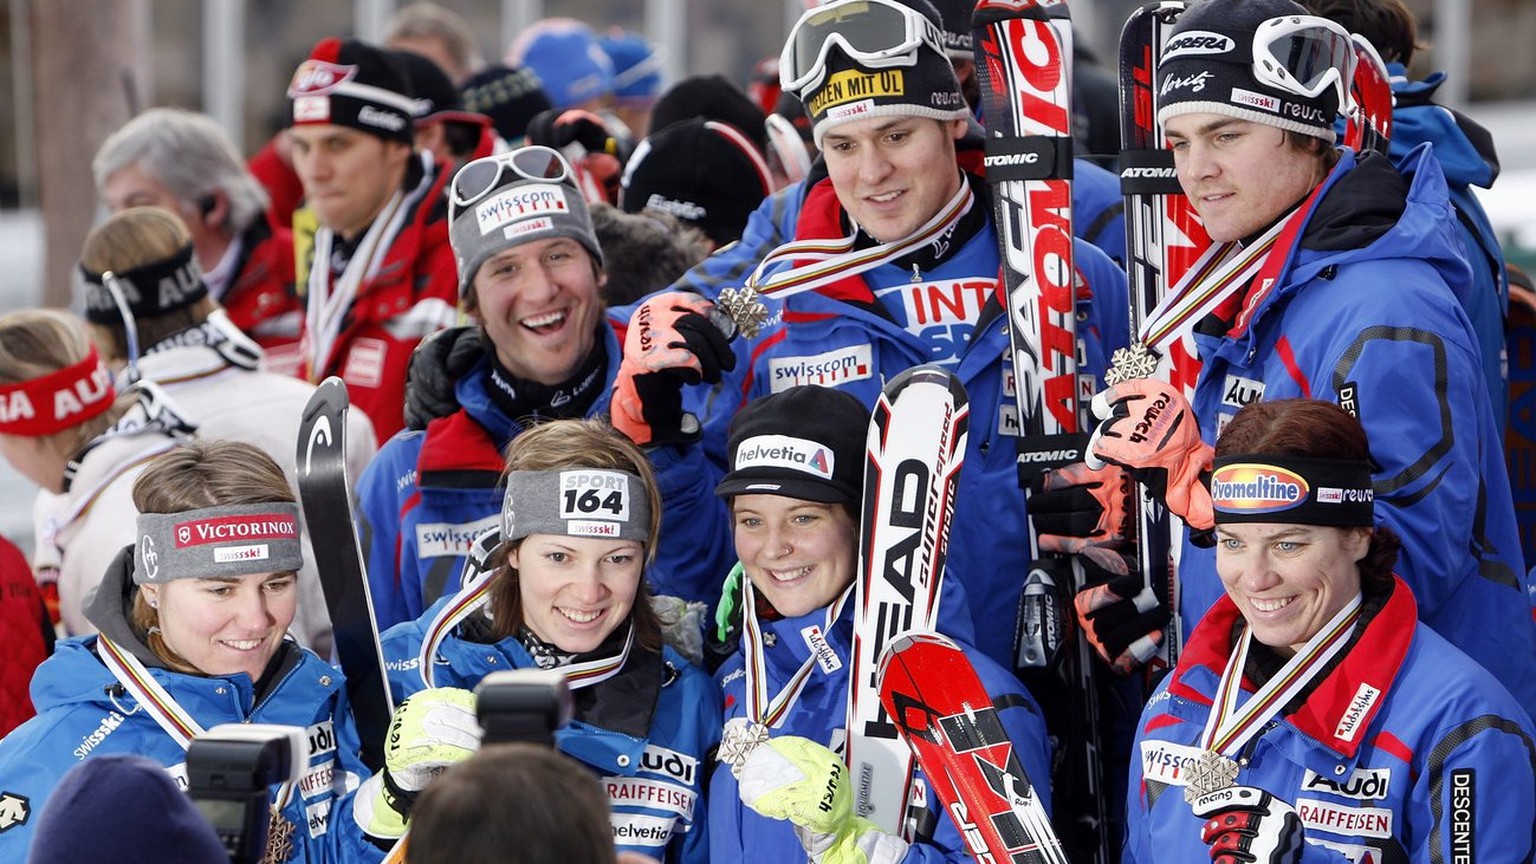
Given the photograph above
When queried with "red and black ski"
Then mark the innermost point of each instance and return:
(1023, 56)
(915, 448)
(327, 503)
(947, 717)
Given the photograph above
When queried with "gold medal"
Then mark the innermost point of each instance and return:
(1211, 772)
(741, 737)
(279, 839)
(1137, 361)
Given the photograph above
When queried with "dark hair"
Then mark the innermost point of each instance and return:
(1388, 24)
(509, 804)
(1311, 427)
(644, 252)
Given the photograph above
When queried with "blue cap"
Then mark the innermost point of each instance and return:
(564, 53)
(636, 65)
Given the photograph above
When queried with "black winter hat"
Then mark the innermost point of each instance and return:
(510, 97)
(352, 83)
(436, 99)
(706, 173)
(122, 808)
(713, 97)
(805, 442)
(1207, 65)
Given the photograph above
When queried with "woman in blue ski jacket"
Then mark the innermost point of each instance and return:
(192, 624)
(794, 489)
(1311, 717)
(560, 585)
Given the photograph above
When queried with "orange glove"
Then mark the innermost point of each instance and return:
(1149, 428)
(674, 338)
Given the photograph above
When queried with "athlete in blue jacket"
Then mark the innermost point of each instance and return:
(795, 535)
(192, 623)
(1352, 305)
(530, 266)
(1379, 741)
(570, 596)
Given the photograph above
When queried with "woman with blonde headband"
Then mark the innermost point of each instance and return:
(65, 427)
(1312, 717)
(193, 618)
(561, 585)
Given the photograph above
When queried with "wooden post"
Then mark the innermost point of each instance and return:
(90, 66)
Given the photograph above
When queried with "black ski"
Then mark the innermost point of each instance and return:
(326, 497)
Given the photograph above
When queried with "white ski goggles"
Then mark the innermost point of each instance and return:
(884, 34)
(1304, 55)
(478, 178)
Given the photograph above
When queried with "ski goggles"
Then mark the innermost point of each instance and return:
(1304, 55)
(876, 34)
(479, 178)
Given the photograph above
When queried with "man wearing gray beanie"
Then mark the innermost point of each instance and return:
(1336, 286)
(545, 348)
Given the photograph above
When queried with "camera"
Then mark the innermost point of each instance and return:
(523, 705)
(230, 771)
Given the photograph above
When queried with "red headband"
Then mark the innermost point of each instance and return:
(58, 400)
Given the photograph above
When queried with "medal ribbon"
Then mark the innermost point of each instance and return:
(1221, 271)
(1229, 728)
(475, 595)
(835, 260)
(161, 706)
(760, 707)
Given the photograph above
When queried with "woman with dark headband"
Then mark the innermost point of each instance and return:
(193, 620)
(562, 586)
(1311, 718)
(65, 426)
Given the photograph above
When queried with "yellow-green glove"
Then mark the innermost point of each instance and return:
(431, 730)
(799, 780)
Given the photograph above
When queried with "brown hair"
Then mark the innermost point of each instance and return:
(561, 444)
(1311, 427)
(1389, 25)
(192, 476)
(509, 804)
(38, 342)
(133, 238)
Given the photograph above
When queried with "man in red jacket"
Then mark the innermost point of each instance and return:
(371, 241)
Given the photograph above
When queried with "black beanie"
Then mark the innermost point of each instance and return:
(351, 83)
(510, 97)
(706, 173)
(713, 97)
(1207, 67)
(805, 442)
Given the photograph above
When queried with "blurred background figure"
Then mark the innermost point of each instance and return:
(705, 173)
(26, 635)
(439, 34)
(443, 127)
(572, 67)
(644, 252)
(637, 68)
(184, 162)
(126, 809)
(510, 97)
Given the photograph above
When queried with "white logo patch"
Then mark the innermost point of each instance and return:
(1255, 100)
(526, 227)
(657, 794)
(588, 495)
(669, 763)
(830, 369)
(518, 203)
(253, 552)
(1166, 762)
(1195, 43)
(852, 109)
(1359, 708)
(783, 451)
(1238, 391)
(826, 658)
(448, 540)
(638, 829)
(1375, 822)
(1365, 784)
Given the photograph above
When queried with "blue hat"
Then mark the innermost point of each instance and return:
(125, 809)
(564, 53)
(636, 66)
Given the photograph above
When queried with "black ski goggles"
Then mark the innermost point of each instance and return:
(479, 178)
(1304, 55)
(877, 34)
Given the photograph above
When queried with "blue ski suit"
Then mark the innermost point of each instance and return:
(737, 833)
(429, 493)
(1361, 315)
(1466, 156)
(83, 711)
(841, 336)
(648, 732)
(1404, 751)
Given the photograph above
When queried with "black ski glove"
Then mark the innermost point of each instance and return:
(436, 365)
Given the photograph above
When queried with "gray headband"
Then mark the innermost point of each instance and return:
(576, 502)
(230, 540)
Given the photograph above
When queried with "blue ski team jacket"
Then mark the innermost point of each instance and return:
(82, 711)
(813, 338)
(1406, 751)
(1376, 330)
(739, 834)
(429, 493)
(650, 748)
